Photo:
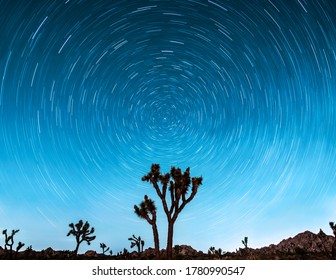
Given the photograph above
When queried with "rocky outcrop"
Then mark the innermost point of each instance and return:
(305, 245)
(49, 253)
(308, 242)
(184, 250)
(91, 254)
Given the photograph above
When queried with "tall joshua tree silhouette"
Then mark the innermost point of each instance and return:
(333, 227)
(82, 233)
(147, 210)
(179, 185)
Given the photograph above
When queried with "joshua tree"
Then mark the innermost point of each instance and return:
(19, 246)
(212, 251)
(142, 245)
(123, 254)
(333, 227)
(104, 248)
(147, 210)
(9, 241)
(82, 233)
(179, 185)
(219, 251)
(245, 241)
(137, 241)
(28, 250)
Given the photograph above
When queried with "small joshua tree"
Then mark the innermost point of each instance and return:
(28, 250)
(104, 248)
(19, 246)
(245, 241)
(124, 253)
(147, 210)
(213, 251)
(82, 233)
(333, 251)
(178, 186)
(137, 241)
(9, 241)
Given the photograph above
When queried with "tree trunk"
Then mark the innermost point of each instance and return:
(333, 250)
(156, 241)
(77, 247)
(170, 240)
(11, 251)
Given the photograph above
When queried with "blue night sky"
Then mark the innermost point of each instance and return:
(93, 92)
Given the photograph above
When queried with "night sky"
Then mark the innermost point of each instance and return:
(93, 92)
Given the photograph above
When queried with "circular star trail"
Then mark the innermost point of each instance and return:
(93, 92)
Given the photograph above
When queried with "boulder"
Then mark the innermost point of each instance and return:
(91, 254)
(48, 253)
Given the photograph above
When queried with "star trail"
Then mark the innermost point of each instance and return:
(93, 92)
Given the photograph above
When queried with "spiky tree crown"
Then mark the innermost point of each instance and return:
(181, 181)
(147, 206)
(9, 239)
(153, 175)
(82, 231)
(178, 181)
(178, 185)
